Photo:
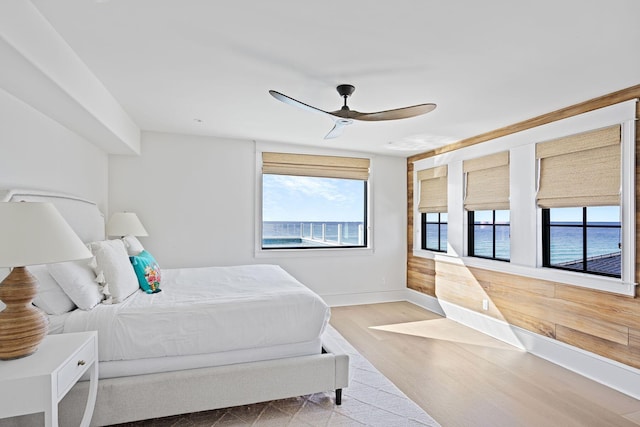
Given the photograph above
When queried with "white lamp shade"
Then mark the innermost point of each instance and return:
(36, 233)
(125, 224)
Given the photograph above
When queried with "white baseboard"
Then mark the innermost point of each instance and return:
(425, 301)
(616, 375)
(337, 300)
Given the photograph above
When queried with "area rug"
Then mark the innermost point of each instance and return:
(370, 400)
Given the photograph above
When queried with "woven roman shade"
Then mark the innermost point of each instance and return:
(433, 190)
(487, 181)
(318, 166)
(580, 170)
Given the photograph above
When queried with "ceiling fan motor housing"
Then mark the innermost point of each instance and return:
(345, 90)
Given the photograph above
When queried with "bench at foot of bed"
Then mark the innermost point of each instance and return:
(203, 389)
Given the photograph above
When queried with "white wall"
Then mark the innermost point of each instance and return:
(196, 197)
(37, 152)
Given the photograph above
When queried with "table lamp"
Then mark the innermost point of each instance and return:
(30, 233)
(125, 224)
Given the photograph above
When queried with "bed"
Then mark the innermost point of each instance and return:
(214, 337)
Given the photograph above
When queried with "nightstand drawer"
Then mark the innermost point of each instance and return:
(75, 367)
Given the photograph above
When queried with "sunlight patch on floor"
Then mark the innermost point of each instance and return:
(445, 330)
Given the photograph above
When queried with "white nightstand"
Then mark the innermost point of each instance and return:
(38, 382)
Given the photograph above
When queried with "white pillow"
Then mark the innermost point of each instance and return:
(133, 245)
(79, 282)
(51, 298)
(114, 269)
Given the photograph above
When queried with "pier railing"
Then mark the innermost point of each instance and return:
(323, 236)
(324, 233)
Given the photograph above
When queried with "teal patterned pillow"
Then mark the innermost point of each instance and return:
(148, 272)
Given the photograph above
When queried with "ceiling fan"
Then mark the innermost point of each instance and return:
(345, 116)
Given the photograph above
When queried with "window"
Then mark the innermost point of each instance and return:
(586, 239)
(579, 193)
(487, 203)
(314, 201)
(433, 208)
(587, 161)
(434, 234)
(489, 234)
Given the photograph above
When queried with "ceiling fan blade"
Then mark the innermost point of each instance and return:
(338, 128)
(345, 116)
(398, 113)
(288, 100)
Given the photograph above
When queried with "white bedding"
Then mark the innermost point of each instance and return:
(207, 310)
(56, 322)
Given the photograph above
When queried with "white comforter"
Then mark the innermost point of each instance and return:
(206, 310)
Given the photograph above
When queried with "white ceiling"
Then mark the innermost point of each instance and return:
(204, 67)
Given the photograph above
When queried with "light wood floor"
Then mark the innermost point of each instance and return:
(464, 378)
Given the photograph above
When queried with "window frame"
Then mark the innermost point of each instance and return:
(471, 226)
(258, 252)
(546, 243)
(327, 247)
(439, 223)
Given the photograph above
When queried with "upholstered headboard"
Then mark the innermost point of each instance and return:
(83, 216)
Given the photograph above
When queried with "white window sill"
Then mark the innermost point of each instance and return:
(301, 253)
(589, 281)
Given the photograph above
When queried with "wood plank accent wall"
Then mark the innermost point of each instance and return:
(599, 322)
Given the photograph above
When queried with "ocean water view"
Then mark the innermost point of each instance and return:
(566, 242)
(278, 234)
(600, 242)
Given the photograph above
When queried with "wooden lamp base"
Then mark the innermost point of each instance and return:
(22, 326)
